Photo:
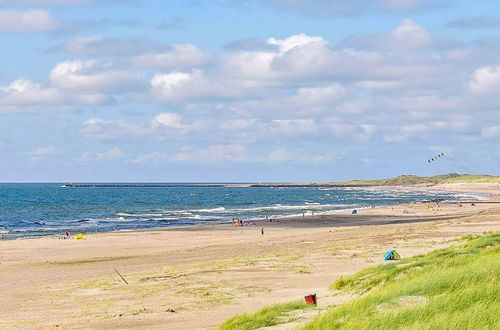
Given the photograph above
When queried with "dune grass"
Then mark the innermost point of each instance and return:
(452, 288)
(401, 180)
(414, 179)
(268, 316)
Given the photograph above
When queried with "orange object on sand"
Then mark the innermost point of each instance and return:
(311, 299)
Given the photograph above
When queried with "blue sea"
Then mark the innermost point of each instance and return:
(37, 209)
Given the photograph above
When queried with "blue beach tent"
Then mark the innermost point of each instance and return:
(392, 255)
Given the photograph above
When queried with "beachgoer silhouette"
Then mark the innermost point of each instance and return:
(262, 231)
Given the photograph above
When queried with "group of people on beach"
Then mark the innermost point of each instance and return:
(272, 219)
(240, 222)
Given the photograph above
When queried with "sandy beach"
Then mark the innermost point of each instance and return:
(197, 277)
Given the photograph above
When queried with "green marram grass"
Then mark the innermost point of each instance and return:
(268, 316)
(453, 288)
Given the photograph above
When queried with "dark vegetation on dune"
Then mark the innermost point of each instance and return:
(402, 180)
(431, 180)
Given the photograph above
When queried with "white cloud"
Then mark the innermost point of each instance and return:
(450, 124)
(176, 86)
(409, 35)
(24, 91)
(91, 77)
(332, 8)
(107, 155)
(180, 56)
(71, 83)
(151, 157)
(304, 101)
(345, 130)
(23, 95)
(280, 155)
(416, 128)
(169, 120)
(249, 65)
(110, 154)
(320, 72)
(156, 127)
(98, 45)
(404, 132)
(367, 61)
(485, 80)
(142, 52)
(316, 96)
(491, 132)
(214, 153)
(293, 126)
(26, 21)
(237, 124)
(295, 57)
(478, 22)
(353, 107)
(43, 151)
(378, 84)
(284, 155)
(171, 86)
(110, 129)
(395, 137)
(298, 40)
(422, 101)
(368, 128)
(324, 158)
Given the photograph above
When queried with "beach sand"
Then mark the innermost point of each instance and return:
(210, 273)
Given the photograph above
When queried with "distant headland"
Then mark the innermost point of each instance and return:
(402, 180)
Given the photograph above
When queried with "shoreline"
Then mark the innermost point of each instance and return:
(481, 194)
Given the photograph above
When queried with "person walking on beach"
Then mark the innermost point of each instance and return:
(262, 231)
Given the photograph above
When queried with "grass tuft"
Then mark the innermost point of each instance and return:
(266, 317)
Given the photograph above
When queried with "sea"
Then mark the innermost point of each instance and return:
(39, 209)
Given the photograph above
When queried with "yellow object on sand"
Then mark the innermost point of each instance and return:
(79, 236)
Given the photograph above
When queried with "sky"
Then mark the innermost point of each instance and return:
(247, 90)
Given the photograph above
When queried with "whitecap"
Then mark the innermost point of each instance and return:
(142, 215)
(212, 210)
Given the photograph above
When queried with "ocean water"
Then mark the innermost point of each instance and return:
(48, 209)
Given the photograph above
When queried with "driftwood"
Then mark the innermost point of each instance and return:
(124, 280)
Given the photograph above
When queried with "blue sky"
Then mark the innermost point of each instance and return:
(247, 90)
